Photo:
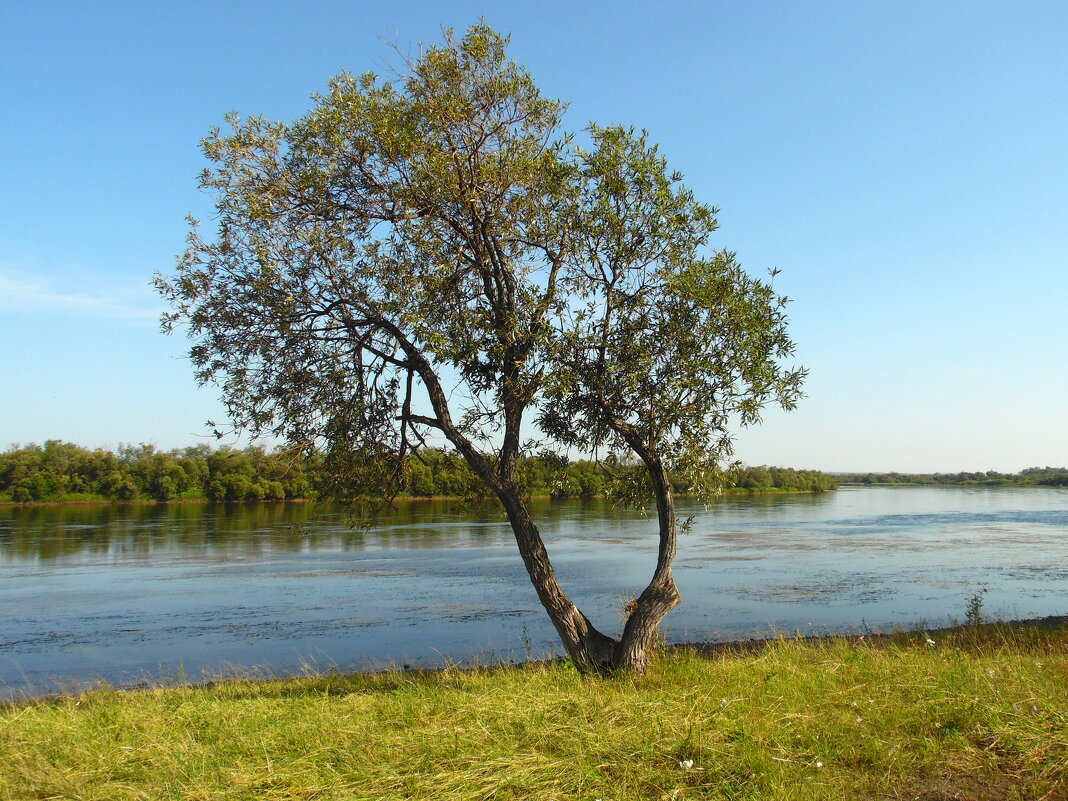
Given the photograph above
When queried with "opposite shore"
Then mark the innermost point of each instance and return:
(398, 499)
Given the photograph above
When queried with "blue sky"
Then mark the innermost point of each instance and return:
(904, 164)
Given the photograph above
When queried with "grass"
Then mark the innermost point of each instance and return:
(980, 714)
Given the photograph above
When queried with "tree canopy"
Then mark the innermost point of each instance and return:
(433, 258)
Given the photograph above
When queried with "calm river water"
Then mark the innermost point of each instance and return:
(131, 593)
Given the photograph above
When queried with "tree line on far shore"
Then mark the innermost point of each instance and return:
(62, 471)
(1029, 477)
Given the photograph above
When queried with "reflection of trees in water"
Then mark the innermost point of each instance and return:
(232, 530)
(241, 530)
(134, 530)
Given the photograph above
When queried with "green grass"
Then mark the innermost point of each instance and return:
(981, 714)
(66, 497)
(767, 491)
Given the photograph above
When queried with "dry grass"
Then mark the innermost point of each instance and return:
(981, 714)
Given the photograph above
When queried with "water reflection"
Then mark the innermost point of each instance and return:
(42, 534)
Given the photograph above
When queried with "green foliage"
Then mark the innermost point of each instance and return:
(782, 478)
(63, 471)
(398, 229)
(142, 472)
(661, 346)
(1029, 477)
(973, 613)
(56, 468)
(443, 224)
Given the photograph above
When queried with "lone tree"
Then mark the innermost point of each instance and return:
(431, 259)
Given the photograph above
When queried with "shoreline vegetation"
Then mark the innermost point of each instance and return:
(978, 711)
(90, 501)
(64, 473)
(1029, 477)
(83, 500)
(61, 472)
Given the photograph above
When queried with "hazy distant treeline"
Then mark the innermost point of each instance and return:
(58, 471)
(1032, 476)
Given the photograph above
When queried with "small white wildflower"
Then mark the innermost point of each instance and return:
(991, 673)
(819, 764)
(685, 764)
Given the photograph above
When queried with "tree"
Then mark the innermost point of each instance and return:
(431, 259)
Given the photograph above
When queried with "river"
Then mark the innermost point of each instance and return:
(179, 592)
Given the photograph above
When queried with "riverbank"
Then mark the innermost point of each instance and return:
(398, 499)
(978, 713)
(64, 471)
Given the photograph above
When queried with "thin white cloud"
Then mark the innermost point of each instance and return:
(23, 294)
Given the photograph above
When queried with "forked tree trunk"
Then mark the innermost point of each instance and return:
(590, 650)
(641, 631)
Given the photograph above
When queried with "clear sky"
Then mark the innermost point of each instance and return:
(905, 164)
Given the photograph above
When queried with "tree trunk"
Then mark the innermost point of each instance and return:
(590, 650)
(641, 632)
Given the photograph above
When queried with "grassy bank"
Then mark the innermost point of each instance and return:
(978, 714)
